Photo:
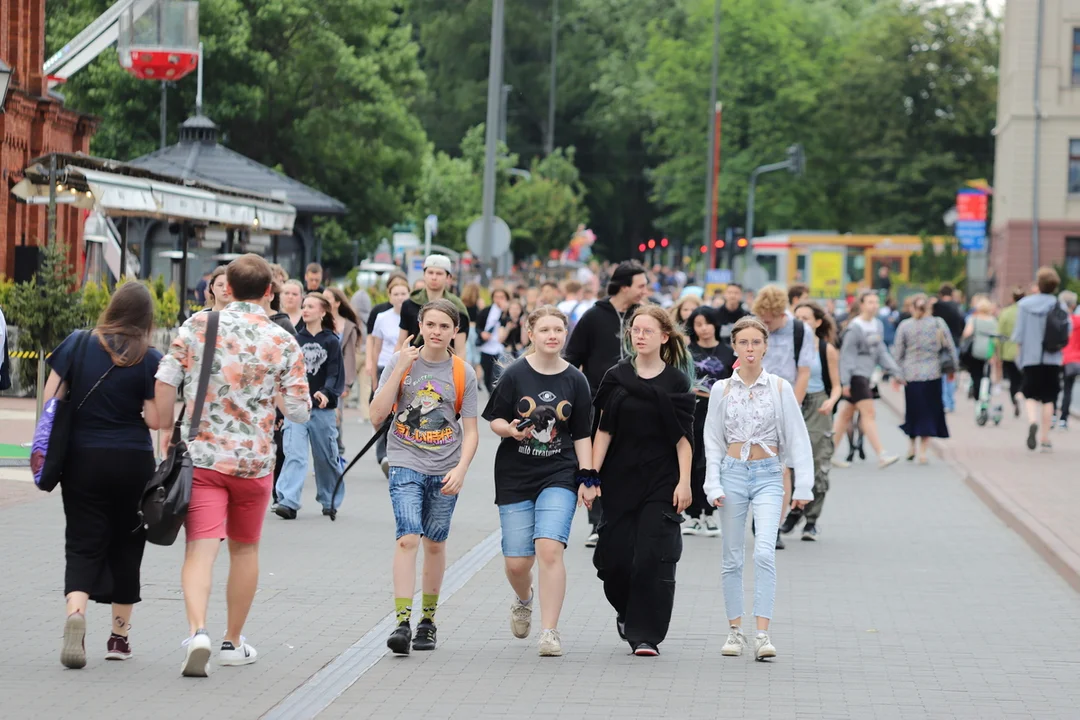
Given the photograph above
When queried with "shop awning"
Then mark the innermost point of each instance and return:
(120, 190)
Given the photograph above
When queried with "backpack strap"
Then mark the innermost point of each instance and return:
(800, 335)
(459, 384)
(823, 357)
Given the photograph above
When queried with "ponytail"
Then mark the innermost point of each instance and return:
(328, 315)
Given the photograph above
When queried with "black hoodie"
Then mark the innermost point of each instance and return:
(325, 368)
(596, 344)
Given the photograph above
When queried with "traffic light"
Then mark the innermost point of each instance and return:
(663, 242)
(719, 244)
(652, 244)
(796, 159)
(641, 248)
(743, 243)
(704, 249)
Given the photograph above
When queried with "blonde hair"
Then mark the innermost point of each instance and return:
(395, 281)
(920, 304)
(675, 351)
(771, 299)
(983, 304)
(676, 309)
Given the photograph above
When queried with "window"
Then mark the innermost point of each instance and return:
(1074, 166)
(1072, 257)
(1076, 57)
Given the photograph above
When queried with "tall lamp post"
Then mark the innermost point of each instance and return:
(710, 177)
(491, 131)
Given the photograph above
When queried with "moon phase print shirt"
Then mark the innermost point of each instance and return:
(560, 408)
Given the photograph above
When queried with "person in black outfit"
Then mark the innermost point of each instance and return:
(950, 311)
(109, 460)
(596, 344)
(713, 360)
(730, 312)
(273, 309)
(643, 451)
(488, 322)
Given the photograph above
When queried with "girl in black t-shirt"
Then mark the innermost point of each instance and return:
(713, 361)
(643, 451)
(541, 409)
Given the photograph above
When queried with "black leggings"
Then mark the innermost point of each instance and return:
(104, 539)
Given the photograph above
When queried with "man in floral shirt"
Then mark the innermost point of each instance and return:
(256, 364)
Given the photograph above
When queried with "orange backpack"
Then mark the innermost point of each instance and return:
(459, 385)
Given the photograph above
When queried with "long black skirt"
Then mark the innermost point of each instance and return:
(924, 414)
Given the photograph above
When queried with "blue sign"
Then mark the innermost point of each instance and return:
(718, 276)
(971, 234)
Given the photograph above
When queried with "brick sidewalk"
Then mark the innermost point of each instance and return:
(1036, 494)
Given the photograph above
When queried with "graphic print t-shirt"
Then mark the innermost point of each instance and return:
(710, 365)
(425, 434)
(560, 408)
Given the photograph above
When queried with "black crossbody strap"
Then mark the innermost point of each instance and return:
(204, 373)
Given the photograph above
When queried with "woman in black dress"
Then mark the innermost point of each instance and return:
(712, 361)
(643, 451)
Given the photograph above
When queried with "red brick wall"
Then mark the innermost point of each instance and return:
(1011, 255)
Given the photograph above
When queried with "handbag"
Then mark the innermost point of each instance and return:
(52, 434)
(165, 499)
(946, 359)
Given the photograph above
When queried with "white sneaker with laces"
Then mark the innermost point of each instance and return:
(521, 619)
(692, 526)
(735, 643)
(711, 528)
(884, 461)
(550, 643)
(763, 647)
(594, 537)
(197, 658)
(233, 656)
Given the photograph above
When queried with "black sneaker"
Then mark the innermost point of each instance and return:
(1033, 430)
(646, 650)
(779, 541)
(809, 532)
(791, 522)
(399, 640)
(620, 625)
(425, 636)
(286, 513)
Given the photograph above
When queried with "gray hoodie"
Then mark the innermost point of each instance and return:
(1029, 330)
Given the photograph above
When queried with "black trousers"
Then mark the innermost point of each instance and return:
(635, 558)
(104, 539)
(699, 501)
(1066, 396)
(489, 363)
(279, 452)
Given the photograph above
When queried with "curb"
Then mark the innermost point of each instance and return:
(1064, 560)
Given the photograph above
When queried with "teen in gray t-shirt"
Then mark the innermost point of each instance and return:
(425, 434)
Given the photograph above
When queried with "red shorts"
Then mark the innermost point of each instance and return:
(227, 506)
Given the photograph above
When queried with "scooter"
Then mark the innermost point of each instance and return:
(984, 411)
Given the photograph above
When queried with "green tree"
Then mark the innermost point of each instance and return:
(322, 90)
(544, 210)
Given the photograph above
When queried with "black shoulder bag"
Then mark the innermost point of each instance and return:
(166, 498)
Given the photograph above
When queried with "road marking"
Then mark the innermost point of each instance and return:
(327, 685)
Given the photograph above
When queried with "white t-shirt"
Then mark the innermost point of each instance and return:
(387, 326)
(492, 346)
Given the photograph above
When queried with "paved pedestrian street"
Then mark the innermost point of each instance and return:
(917, 602)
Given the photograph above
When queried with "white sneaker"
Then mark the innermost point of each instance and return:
(197, 659)
(884, 461)
(692, 526)
(838, 463)
(763, 647)
(594, 537)
(231, 655)
(735, 643)
(521, 619)
(711, 528)
(550, 643)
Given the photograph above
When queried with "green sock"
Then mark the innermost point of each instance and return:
(428, 606)
(403, 609)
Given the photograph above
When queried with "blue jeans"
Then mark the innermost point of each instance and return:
(948, 393)
(525, 522)
(420, 508)
(759, 483)
(320, 432)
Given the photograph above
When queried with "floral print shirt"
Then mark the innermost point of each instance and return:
(751, 418)
(254, 361)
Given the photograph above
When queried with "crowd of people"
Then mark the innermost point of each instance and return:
(665, 414)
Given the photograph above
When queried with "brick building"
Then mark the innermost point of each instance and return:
(33, 122)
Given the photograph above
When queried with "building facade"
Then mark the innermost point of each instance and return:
(33, 122)
(1055, 178)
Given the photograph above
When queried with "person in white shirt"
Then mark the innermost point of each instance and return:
(384, 337)
(487, 328)
(754, 429)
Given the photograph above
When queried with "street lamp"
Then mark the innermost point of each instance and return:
(5, 81)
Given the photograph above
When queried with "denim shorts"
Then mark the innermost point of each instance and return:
(420, 508)
(525, 522)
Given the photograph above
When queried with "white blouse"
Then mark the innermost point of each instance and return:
(751, 418)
